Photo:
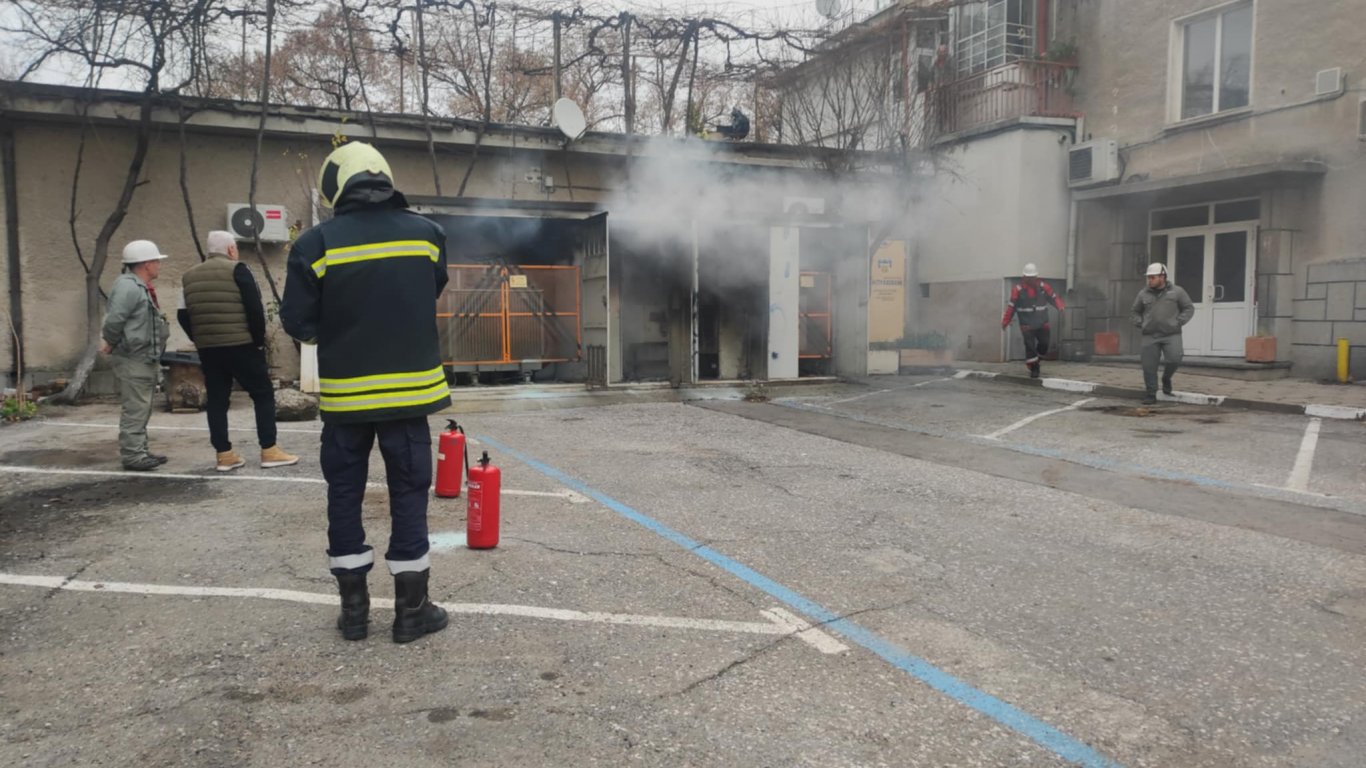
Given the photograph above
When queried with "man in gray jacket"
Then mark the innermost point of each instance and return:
(1159, 311)
(134, 335)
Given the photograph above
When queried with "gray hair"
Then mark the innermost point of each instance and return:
(220, 241)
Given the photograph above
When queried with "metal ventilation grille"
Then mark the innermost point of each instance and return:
(1328, 81)
(1080, 164)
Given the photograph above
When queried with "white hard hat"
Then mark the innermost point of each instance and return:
(1157, 268)
(139, 251)
(1030, 270)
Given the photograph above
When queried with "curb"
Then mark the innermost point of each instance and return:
(1343, 412)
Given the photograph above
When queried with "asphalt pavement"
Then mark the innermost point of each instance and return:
(921, 571)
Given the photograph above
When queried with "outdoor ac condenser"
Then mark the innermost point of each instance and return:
(1095, 162)
(272, 221)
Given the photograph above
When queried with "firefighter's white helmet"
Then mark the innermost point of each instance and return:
(1030, 270)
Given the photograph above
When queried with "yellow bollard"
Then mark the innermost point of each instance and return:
(1343, 354)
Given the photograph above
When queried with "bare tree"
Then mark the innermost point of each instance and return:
(153, 43)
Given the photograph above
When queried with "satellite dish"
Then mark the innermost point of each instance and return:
(828, 8)
(569, 119)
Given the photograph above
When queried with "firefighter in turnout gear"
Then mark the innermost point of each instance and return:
(1029, 300)
(364, 287)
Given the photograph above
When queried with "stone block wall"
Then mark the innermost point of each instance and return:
(1333, 307)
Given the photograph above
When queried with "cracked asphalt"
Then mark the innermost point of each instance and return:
(1145, 586)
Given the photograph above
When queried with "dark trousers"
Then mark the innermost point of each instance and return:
(406, 446)
(246, 364)
(1036, 344)
(1166, 349)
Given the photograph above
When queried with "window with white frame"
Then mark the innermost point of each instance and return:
(993, 32)
(1213, 57)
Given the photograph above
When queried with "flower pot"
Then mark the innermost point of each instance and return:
(882, 361)
(1260, 349)
(1107, 343)
(925, 358)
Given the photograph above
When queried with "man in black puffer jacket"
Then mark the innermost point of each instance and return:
(364, 286)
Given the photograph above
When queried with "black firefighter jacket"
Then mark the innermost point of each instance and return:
(364, 285)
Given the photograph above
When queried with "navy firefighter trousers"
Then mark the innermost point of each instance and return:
(406, 447)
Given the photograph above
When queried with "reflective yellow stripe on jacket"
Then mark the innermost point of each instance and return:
(353, 253)
(387, 390)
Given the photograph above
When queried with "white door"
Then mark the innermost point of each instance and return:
(1215, 266)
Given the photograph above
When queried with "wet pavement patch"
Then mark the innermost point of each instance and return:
(1200, 414)
(65, 508)
(61, 457)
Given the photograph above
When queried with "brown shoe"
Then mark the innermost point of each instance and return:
(274, 457)
(229, 460)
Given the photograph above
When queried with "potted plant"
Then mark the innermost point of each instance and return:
(924, 350)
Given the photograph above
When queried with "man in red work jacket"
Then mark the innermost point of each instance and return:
(1029, 300)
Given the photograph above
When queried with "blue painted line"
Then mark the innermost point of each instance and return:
(1021, 722)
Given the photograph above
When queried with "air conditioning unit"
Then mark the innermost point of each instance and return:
(1328, 81)
(271, 221)
(803, 206)
(1095, 162)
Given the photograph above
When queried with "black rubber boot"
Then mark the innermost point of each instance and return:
(414, 614)
(354, 621)
(1034, 371)
(1167, 385)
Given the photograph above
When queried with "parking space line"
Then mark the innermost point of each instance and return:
(566, 494)
(1015, 719)
(1030, 419)
(1304, 460)
(93, 425)
(248, 429)
(883, 391)
(775, 625)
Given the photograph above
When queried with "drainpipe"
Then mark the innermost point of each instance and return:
(11, 192)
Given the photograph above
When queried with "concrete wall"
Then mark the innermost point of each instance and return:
(1122, 89)
(1000, 201)
(218, 169)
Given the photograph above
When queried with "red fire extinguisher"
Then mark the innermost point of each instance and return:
(481, 517)
(450, 457)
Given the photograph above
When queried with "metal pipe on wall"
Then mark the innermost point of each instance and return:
(11, 192)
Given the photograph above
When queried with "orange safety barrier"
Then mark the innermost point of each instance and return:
(491, 315)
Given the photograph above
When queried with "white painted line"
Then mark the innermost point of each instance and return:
(567, 495)
(85, 425)
(1070, 385)
(882, 391)
(803, 631)
(975, 375)
(774, 626)
(1335, 412)
(246, 429)
(1030, 419)
(1304, 460)
(1191, 398)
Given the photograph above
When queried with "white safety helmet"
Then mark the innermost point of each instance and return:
(1157, 268)
(348, 163)
(139, 251)
(1030, 270)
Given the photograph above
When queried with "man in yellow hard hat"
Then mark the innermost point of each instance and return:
(364, 286)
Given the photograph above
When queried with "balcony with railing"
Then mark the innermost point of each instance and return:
(1000, 96)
